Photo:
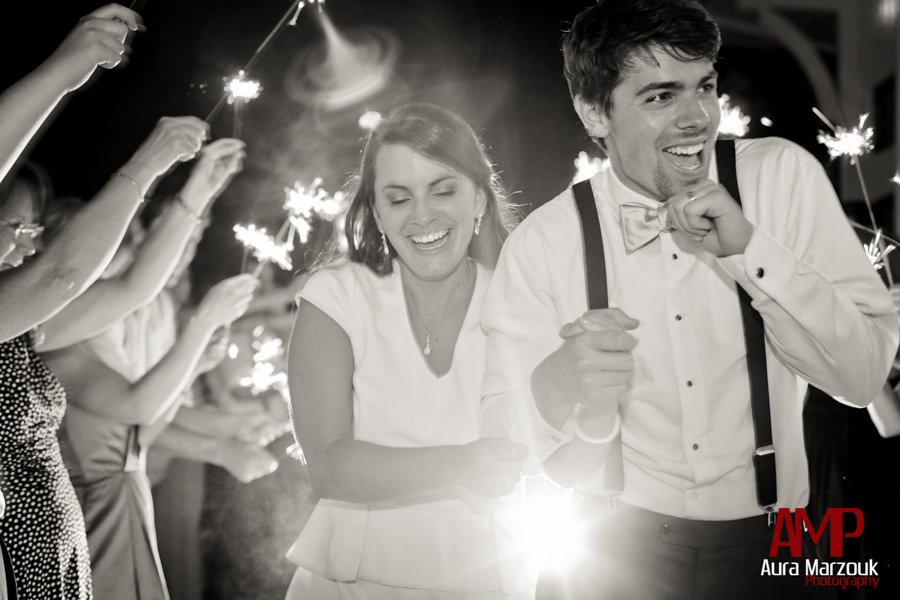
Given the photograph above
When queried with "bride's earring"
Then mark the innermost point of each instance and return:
(384, 245)
(478, 224)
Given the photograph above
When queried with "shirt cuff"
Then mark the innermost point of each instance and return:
(763, 269)
(541, 437)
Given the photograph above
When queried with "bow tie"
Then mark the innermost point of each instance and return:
(642, 224)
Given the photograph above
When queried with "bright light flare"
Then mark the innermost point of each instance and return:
(548, 528)
(263, 246)
(588, 166)
(766, 121)
(239, 88)
(733, 121)
(896, 178)
(853, 142)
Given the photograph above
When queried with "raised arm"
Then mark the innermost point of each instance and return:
(99, 39)
(148, 399)
(320, 370)
(76, 257)
(109, 300)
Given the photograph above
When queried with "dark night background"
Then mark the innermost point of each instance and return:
(496, 63)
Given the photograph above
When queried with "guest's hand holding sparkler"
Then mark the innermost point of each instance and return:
(99, 40)
(258, 428)
(173, 140)
(215, 351)
(218, 162)
(246, 462)
(226, 301)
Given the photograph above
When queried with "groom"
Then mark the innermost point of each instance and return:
(730, 290)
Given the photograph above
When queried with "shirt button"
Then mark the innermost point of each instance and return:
(677, 317)
(690, 383)
(665, 528)
(696, 446)
(760, 272)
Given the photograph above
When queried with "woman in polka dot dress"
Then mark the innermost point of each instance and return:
(42, 527)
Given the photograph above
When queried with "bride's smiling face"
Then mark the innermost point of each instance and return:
(426, 209)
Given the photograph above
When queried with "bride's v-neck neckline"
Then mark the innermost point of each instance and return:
(411, 333)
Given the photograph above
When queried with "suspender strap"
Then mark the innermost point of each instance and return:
(755, 338)
(595, 277)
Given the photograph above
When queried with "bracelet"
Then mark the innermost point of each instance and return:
(131, 180)
(190, 211)
(580, 433)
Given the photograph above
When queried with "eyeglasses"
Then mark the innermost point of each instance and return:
(32, 230)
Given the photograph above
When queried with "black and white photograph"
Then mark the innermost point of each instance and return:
(450, 300)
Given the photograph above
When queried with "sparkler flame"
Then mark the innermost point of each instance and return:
(304, 203)
(265, 375)
(369, 120)
(588, 166)
(733, 121)
(877, 251)
(239, 88)
(853, 142)
(263, 246)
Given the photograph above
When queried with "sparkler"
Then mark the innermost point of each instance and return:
(855, 142)
(303, 204)
(733, 121)
(588, 166)
(267, 373)
(263, 246)
(286, 19)
(239, 92)
(877, 251)
(369, 120)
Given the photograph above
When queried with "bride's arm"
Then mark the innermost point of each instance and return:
(320, 371)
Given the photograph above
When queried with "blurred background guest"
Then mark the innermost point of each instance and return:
(124, 382)
(230, 497)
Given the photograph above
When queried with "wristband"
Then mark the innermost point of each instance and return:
(580, 433)
(131, 180)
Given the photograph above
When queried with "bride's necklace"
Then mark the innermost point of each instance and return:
(417, 321)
